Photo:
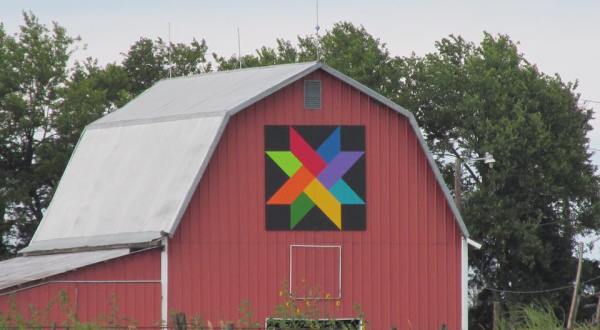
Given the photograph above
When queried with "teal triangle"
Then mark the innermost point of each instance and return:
(345, 194)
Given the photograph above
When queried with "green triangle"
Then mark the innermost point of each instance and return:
(286, 161)
(300, 208)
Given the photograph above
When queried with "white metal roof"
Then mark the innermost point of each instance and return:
(20, 270)
(211, 93)
(126, 184)
(134, 171)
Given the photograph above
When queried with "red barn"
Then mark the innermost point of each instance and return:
(290, 185)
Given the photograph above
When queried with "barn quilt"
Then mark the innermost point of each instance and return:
(315, 178)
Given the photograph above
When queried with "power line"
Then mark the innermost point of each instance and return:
(531, 291)
(591, 279)
(539, 291)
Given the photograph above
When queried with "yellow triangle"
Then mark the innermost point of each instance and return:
(325, 201)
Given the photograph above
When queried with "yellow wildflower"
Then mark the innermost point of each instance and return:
(280, 293)
(338, 303)
(327, 296)
(297, 311)
(307, 303)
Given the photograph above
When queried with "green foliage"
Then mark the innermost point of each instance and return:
(541, 193)
(311, 313)
(197, 322)
(284, 53)
(148, 61)
(356, 53)
(247, 320)
(40, 318)
(346, 47)
(90, 93)
(537, 316)
(45, 105)
(33, 71)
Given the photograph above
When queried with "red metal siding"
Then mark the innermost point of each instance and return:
(131, 303)
(404, 270)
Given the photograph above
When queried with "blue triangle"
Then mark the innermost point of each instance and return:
(331, 146)
(344, 194)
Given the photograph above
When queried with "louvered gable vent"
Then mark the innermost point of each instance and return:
(312, 94)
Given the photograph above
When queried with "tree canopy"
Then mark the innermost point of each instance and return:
(469, 98)
(542, 192)
(148, 61)
(33, 70)
(45, 103)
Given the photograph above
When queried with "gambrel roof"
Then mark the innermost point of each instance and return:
(134, 171)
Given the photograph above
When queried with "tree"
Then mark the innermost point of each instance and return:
(90, 93)
(32, 71)
(356, 53)
(542, 192)
(148, 61)
(45, 105)
(284, 53)
(346, 47)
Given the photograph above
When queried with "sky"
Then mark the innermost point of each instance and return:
(558, 36)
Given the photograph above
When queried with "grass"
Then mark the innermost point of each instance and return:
(538, 317)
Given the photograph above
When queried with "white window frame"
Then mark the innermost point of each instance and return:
(330, 246)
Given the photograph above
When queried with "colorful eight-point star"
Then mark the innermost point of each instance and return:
(315, 177)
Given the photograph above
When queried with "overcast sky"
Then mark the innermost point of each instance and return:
(559, 36)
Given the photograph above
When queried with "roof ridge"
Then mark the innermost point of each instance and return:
(212, 73)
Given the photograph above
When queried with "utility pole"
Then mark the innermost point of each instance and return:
(495, 313)
(572, 311)
(597, 316)
(489, 160)
(457, 183)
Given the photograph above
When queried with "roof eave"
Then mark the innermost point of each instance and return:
(93, 243)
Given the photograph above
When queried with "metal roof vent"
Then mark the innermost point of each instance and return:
(312, 94)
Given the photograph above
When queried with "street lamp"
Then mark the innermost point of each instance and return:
(487, 159)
